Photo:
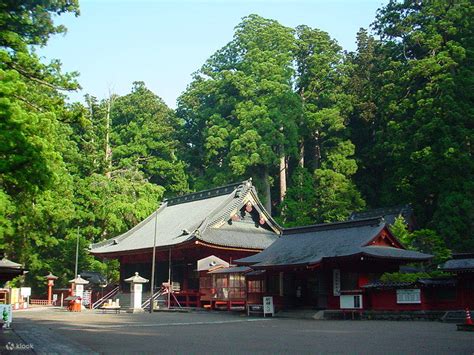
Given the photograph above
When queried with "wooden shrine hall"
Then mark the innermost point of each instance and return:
(227, 222)
(326, 266)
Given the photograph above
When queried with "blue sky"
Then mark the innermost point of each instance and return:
(114, 43)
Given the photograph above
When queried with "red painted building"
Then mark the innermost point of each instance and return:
(462, 267)
(227, 222)
(326, 266)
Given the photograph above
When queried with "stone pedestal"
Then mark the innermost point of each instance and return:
(136, 292)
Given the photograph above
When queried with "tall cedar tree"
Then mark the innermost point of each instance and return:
(322, 189)
(415, 94)
(240, 110)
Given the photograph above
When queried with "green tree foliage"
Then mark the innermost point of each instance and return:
(24, 23)
(249, 108)
(58, 182)
(326, 153)
(423, 240)
(299, 206)
(35, 186)
(421, 146)
(399, 228)
(143, 138)
(240, 110)
(391, 123)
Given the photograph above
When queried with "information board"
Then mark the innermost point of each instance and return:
(268, 306)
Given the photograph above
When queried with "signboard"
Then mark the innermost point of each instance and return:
(406, 296)
(6, 311)
(25, 291)
(268, 306)
(86, 297)
(336, 282)
(351, 302)
(14, 295)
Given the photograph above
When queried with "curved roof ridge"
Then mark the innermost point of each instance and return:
(200, 195)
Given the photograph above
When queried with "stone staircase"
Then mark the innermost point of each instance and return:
(124, 299)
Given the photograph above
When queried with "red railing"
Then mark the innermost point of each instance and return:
(39, 302)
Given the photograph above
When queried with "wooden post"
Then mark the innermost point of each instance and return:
(152, 284)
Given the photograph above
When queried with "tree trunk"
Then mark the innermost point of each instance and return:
(283, 171)
(301, 161)
(317, 150)
(108, 149)
(266, 191)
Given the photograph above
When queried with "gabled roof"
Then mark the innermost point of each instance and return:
(203, 217)
(210, 262)
(312, 244)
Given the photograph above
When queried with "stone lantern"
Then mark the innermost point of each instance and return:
(136, 288)
(50, 278)
(78, 286)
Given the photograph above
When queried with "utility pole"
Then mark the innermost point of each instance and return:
(169, 279)
(77, 254)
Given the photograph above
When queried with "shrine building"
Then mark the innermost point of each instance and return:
(326, 266)
(227, 223)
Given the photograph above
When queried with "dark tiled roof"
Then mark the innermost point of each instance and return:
(389, 214)
(311, 244)
(463, 255)
(458, 265)
(432, 282)
(197, 216)
(253, 237)
(395, 253)
(437, 282)
(231, 270)
(389, 284)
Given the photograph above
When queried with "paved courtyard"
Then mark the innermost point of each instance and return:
(56, 331)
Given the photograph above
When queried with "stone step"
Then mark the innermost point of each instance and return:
(301, 314)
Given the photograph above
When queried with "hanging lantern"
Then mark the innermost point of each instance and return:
(236, 217)
(261, 220)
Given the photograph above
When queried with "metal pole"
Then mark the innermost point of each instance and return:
(152, 284)
(169, 279)
(77, 253)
